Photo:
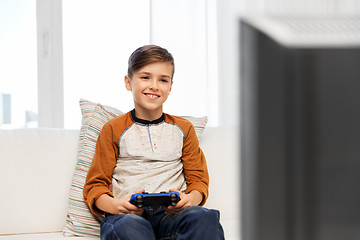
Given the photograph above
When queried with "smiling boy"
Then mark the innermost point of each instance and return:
(150, 86)
(148, 150)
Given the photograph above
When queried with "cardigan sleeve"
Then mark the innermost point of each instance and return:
(99, 176)
(195, 167)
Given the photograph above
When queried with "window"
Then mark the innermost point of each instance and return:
(188, 29)
(82, 52)
(18, 75)
(96, 50)
(98, 39)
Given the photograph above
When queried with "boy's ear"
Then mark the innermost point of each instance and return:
(127, 81)
(170, 86)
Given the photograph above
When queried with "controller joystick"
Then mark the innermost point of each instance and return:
(139, 201)
(174, 198)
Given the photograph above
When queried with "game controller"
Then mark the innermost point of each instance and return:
(155, 199)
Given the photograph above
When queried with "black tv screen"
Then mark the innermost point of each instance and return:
(300, 137)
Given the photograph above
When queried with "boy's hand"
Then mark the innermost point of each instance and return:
(118, 206)
(193, 198)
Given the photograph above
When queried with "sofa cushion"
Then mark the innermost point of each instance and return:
(80, 221)
(36, 170)
(221, 146)
(45, 236)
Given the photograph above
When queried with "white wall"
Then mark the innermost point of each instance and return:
(228, 52)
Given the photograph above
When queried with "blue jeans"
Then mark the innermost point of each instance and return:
(191, 223)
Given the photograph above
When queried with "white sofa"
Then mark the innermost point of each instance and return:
(37, 167)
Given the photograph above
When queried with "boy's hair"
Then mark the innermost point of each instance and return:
(146, 55)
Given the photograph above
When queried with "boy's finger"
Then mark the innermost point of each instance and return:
(140, 191)
(174, 190)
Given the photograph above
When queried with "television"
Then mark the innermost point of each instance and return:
(300, 128)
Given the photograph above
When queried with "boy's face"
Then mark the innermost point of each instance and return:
(150, 86)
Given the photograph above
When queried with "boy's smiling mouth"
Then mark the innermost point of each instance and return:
(152, 96)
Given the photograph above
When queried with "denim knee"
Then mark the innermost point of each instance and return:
(197, 213)
(198, 223)
(127, 226)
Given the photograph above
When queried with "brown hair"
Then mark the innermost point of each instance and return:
(148, 54)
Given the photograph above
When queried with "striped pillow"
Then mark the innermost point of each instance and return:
(80, 221)
(199, 124)
(87, 110)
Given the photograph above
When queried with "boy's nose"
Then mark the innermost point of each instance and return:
(153, 84)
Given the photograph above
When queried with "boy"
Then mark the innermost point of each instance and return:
(146, 149)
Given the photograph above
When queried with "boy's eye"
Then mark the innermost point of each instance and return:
(145, 77)
(164, 80)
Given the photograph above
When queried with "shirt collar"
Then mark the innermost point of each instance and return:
(146, 122)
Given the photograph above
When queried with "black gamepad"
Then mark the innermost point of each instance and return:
(155, 199)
